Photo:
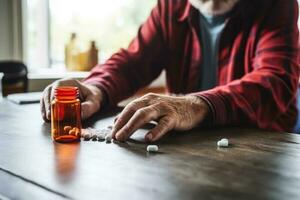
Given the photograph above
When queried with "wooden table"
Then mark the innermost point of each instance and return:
(257, 165)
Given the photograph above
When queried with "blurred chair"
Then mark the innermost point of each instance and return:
(15, 78)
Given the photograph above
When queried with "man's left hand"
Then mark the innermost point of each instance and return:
(171, 113)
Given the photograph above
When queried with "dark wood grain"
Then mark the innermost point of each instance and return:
(15, 187)
(189, 165)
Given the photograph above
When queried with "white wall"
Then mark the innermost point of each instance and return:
(10, 30)
(6, 51)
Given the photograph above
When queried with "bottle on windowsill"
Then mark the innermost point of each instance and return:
(71, 53)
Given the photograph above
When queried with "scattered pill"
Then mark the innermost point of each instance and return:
(108, 138)
(94, 137)
(223, 143)
(67, 129)
(87, 136)
(100, 136)
(83, 132)
(152, 148)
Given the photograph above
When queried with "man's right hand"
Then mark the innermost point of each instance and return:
(91, 98)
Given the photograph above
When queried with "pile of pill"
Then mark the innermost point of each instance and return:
(105, 135)
(71, 130)
(108, 138)
(223, 143)
(97, 134)
(68, 130)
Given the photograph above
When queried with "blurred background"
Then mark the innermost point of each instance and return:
(64, 38)
(53, 37)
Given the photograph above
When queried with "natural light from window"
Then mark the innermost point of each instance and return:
(112, 24)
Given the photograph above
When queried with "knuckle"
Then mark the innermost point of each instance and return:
(150, 96)
(162, 104)
(129, 109)
(132, 105)
(141, 113)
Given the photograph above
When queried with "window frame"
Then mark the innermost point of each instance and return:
(43, 36)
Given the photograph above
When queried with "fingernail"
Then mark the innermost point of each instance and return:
(149, 137)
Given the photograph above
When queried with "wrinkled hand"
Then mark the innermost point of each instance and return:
(91, 98)
(178, 113)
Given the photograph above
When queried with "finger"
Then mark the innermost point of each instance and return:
(125, 115)
(47, 102)
(43, 111)
(90, 105)
(52, 93)
(140, 118)
(164, 125)
(88, 108)
(116, 118)
(84, 91)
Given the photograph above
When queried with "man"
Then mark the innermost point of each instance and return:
(235, 61)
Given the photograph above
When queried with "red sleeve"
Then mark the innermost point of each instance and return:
(130, 69)
(262, 96)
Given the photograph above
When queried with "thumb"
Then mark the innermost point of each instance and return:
(88, 108)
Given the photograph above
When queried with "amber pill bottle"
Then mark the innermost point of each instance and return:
(66, 115)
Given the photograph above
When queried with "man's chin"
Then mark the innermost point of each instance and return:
(212, 8)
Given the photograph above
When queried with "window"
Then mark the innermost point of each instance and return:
(112, 24)
(49, 24)
(36, 34)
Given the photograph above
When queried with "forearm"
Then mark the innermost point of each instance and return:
(258, 100)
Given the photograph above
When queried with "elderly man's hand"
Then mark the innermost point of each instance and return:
(178, 113)
(91, 98)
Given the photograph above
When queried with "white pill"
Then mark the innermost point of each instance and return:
(94, 137)
(108, 138)
(106, 132)
(152, 148)
(103, 131)
(101, 136)
(223, 143)
(87, 136)
(89, 131)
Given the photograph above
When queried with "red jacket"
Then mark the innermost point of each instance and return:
(258, 71)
